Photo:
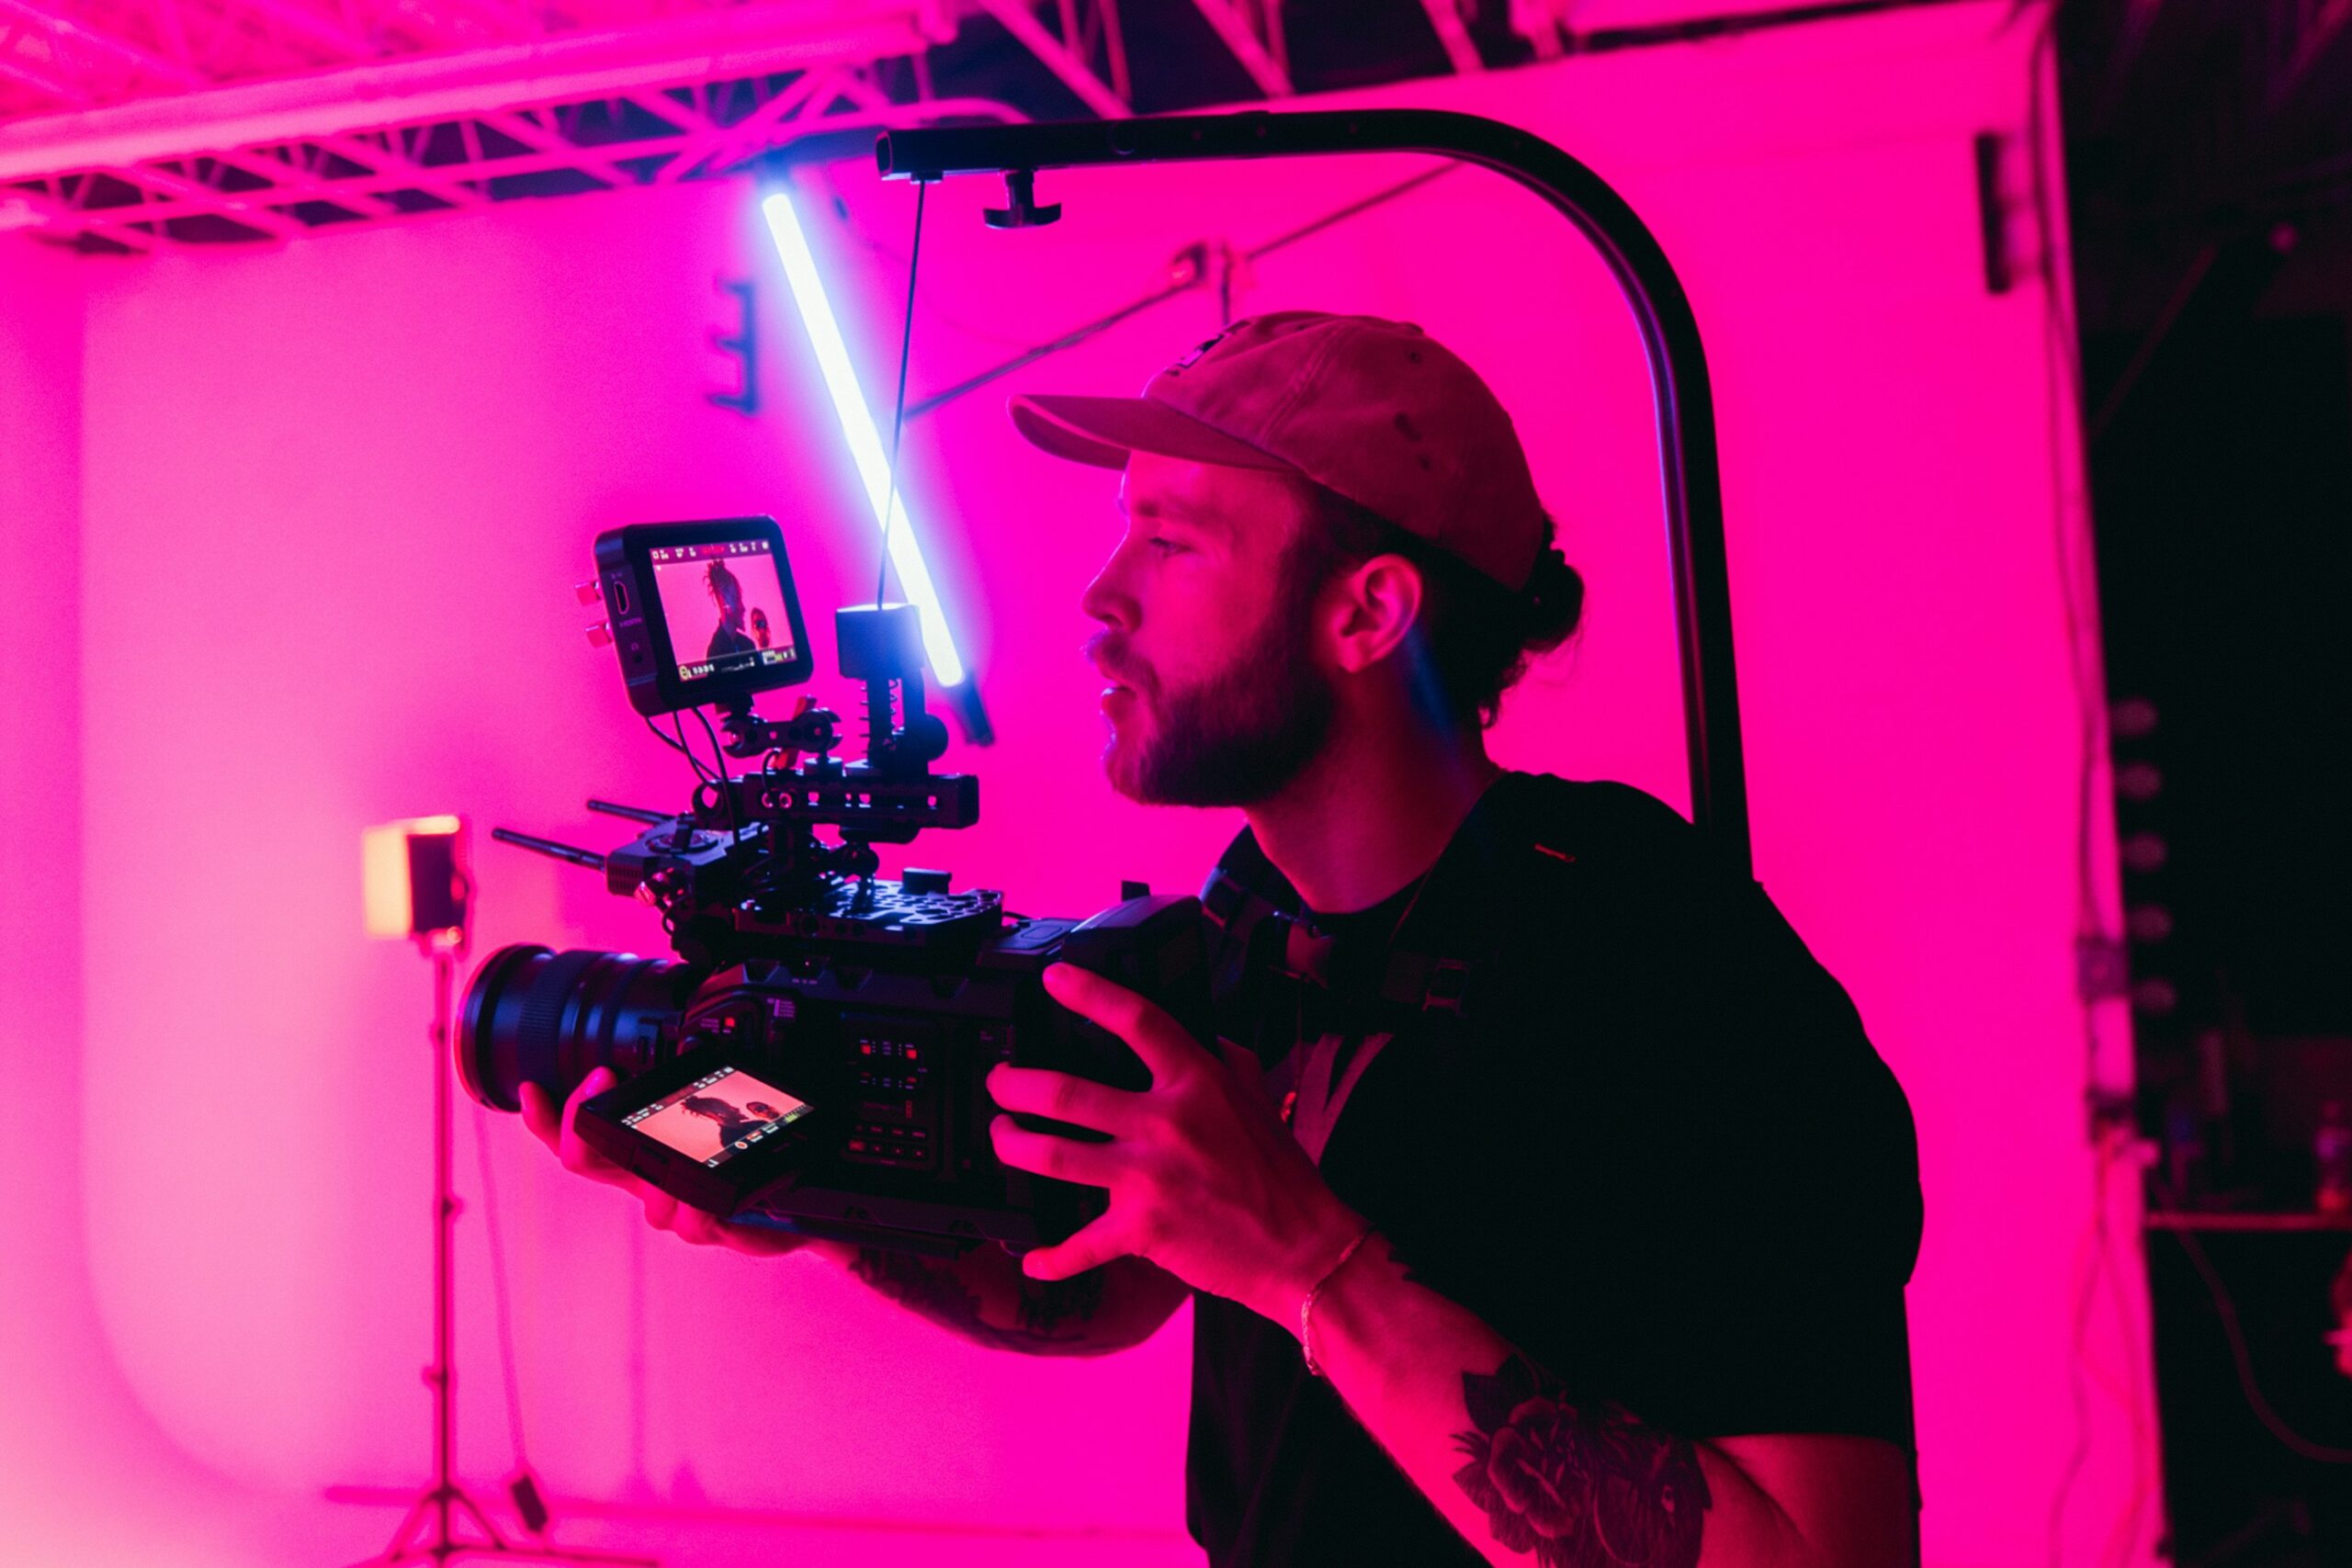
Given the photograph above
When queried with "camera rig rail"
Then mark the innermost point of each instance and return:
(744, 861)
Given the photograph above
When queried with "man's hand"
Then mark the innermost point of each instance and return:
(559, 1130)
(1204, 1180)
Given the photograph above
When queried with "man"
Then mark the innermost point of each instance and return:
(726, 597)
(731, 1121)
(1571, 1219)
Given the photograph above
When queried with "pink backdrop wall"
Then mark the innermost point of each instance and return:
(333, 498)
(91, 1478)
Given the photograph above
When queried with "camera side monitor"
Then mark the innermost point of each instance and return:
(702, 611)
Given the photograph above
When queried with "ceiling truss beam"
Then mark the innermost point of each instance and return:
(276, 118)
(69, 38)
(1059, 56)
(747, 42)
(2315, 28)
(15, 69)
(390, 165)
(314, 29)
(1241, 40)
(1454, 34)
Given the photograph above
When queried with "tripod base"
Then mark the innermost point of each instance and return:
(429, 1533)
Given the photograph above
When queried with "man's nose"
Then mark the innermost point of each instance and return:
(1107, 599)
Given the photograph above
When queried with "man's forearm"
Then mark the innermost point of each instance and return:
(984, 1297)
(1520, 1465)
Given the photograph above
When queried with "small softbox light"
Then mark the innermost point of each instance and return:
(415, 875)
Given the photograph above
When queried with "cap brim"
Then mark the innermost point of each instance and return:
(1103, 431)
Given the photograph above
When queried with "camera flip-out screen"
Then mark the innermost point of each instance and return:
(719, 1115)
(701, 612)
(706, 1127)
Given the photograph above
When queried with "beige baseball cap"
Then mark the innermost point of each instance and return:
(1374, 410)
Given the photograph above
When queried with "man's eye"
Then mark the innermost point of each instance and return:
(1165, 546)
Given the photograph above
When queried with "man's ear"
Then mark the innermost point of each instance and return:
(1373, 609)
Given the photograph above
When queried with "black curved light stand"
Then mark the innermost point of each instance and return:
(1686, 413)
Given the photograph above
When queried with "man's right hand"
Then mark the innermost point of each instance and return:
(558, 1130)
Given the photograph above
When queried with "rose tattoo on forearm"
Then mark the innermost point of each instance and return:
(1579, 1486)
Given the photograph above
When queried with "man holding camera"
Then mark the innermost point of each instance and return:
(1554, 1205)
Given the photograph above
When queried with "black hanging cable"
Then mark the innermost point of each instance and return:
(2241, 1352)
(679, 745)
(678, 729)
(899, 411)
(725, 775)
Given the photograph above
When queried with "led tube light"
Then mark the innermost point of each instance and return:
(866, 446)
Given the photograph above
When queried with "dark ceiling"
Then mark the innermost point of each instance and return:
(2188, 123)
(2205, 133)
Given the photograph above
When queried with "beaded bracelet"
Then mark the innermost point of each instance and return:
(1307, 1307)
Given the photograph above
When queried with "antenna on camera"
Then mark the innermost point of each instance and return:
(571, 854)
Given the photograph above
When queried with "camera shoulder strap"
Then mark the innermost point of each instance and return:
(1267, 968)
(1500, 885)
(1249, 912)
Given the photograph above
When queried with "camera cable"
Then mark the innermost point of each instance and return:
(726, 782)
(679, 746)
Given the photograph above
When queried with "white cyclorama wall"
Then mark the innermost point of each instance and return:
(335, 498)
(87, 1477)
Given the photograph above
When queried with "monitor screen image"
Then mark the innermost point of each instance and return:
(724, 607)
(719, 1116)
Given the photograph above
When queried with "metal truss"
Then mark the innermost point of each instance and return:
(141, 125)
(1252, 31)
(2222, 109)
(199, 121)
(281, 190)
(1453, 29)
(1069, 55)
(2300, 35)
(1545, 25)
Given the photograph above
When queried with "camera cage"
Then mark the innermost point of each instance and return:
(743, 867)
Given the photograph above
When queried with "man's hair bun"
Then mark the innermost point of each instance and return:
(1477, 634)
(1552, 604)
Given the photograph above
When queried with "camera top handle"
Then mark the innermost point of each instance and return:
(1689, 463)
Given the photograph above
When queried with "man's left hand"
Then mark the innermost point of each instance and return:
(1204, 1180)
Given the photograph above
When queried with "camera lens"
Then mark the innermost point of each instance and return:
(532, 1015)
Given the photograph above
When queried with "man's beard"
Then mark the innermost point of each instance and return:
(1241, 735)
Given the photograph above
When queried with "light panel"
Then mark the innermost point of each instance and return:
(387, 886)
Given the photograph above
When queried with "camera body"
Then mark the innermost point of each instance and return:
(880, 1004)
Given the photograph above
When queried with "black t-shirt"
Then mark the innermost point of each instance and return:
(725, 641)
(1655, 1152)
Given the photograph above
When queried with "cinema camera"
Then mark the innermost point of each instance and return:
(814, 1058)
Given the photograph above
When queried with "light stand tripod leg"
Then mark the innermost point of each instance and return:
(427, 1532)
